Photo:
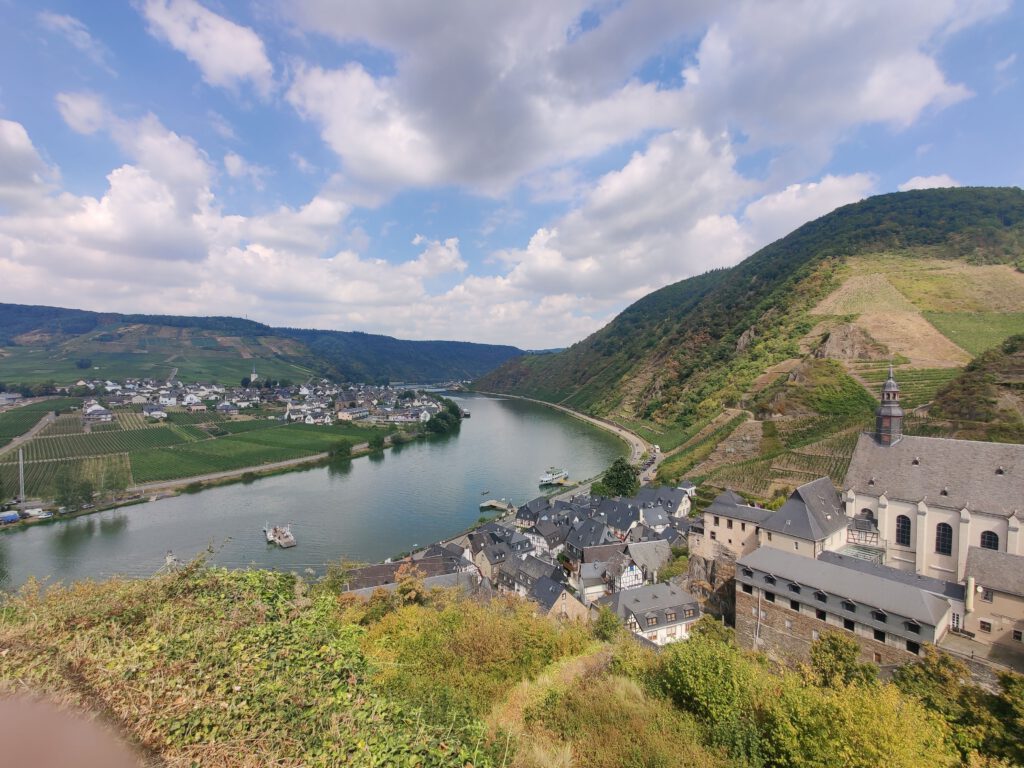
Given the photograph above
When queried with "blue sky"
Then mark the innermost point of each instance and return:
(473, 169)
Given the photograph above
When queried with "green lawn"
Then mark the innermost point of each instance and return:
(978, 331)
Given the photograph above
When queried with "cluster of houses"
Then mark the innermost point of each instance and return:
(570, 558)
(321, 402)
(922, 544)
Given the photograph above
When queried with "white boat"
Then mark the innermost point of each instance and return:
(553, 476)
(279, 534)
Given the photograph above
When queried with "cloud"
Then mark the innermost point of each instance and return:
(238, 167)
(928, 182)
(84, 113)
(226, 53)
(24, 177)
(776, 215)
(77, 34)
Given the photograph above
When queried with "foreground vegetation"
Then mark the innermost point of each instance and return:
(251, 668)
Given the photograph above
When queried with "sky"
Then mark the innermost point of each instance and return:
(479, 170)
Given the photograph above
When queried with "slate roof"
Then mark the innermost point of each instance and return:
(665, 496)
(546, 592)
(653, 600)
(929, 584)
(650, 555)
(882, 589)
(642, 533)
(965, 469)
(623, 517)
(654, 516)
(731, 504)
(589, 533)
(813, 512)
(1000, 571)
(602, 552)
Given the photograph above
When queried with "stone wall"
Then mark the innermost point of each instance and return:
(791, 642)
(713, 581)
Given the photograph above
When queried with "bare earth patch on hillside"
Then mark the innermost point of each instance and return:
(910, 335)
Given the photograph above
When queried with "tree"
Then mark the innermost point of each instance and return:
(246, 382)
(620, 479)
(83, 363)
(713, 629)
(340, 450)
(376, 442)
(834, 662)
(607, 625)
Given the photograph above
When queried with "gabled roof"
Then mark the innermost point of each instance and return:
(650, 555)
(731, 504)
(588, 533)
(813, 512)
(967, 470)
(546, 592)
(602, 552)
(1000, 571)
(653, 600)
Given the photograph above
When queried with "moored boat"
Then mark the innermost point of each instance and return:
(553, 476)
(279, 534)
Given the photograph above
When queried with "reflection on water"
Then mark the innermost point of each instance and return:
(362, 509)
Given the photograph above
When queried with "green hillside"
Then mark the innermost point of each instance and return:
(40, 344)
(244, 669)
(686, 350)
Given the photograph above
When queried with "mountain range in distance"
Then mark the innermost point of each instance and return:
(41, 344)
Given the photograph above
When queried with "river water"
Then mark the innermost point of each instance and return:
(365, 509)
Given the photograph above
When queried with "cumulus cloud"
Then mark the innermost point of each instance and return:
(77, 34)
(238, 167)
(928, 182)
(226, 53)
(776, 215)
(24, 177)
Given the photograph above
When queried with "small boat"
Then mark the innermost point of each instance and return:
(553, 476)
(279, 534)
(484, 493)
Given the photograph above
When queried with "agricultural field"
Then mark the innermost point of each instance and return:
(99, 443)
(65, 424)
(977, 331)
(20, 420)
(110, 472)
(245, 449)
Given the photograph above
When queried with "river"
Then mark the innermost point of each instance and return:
(365, 509)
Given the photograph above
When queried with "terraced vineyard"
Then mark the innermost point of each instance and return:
(917, 385)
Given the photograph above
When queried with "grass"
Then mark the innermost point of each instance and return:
(104, 472)
(977, 331)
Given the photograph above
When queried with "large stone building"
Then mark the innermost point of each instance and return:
(923, 545)
(922, 502)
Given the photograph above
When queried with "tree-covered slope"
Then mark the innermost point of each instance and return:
(682, 353)
(45, 343)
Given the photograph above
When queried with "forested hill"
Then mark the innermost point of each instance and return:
(684, 352)
(50, 343)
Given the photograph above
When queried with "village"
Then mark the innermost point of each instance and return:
(921, 545)
(315, 402)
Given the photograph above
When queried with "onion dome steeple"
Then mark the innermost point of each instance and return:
(889, 414)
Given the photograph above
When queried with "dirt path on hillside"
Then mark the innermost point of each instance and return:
(48, 418)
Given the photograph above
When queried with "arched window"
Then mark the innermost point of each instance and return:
(943, 539)
(867, 514)
(989, 540)
(903, 530)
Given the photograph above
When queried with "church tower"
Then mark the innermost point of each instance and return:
(889, 415)
(254, 376)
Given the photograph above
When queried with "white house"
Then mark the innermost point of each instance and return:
(659, 613)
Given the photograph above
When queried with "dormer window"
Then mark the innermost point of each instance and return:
(916, 461)
(794, 588)
(871, 481)
(1000, 471)
(878, 616)
(747, 572)
(769, 579)
(848, 606)
(944, 492)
